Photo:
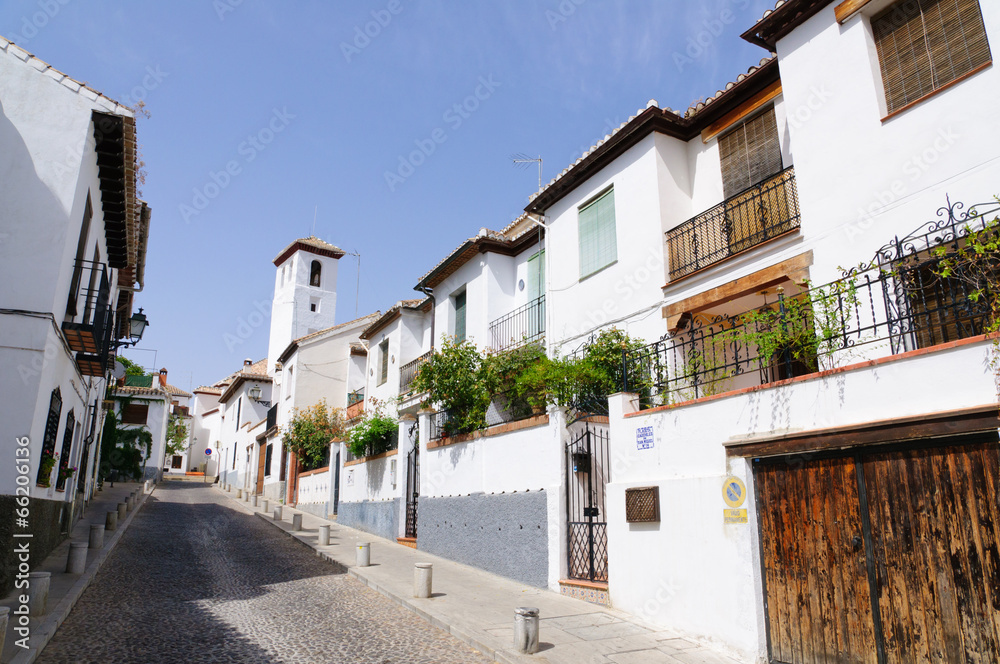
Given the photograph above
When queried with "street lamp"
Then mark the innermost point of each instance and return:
(254, 394)
(137, 324)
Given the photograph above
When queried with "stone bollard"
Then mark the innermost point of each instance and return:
(4, 615)
(265, 505)
(526, 630)
(296, 522)
(364, 557)
(253, 500)
(324, 535)
(38, 593)
(122, 508)
(277, 513)
(96, 535)
(422, 576)
(239, 494)
(246, 497)
(76, 562)
(111, 520)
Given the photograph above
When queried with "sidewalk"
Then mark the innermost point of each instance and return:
(478, 608)
(65, 589)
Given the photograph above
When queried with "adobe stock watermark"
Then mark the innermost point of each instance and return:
(564, 10)
(22, 534)
(247, 150)
(708, 31)
(31, 25)
(363, 35)
(455, 116)
(223, 7)
(912, 170)
(246, 326)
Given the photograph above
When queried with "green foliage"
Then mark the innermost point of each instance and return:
(131, 368)
(124, 448)
(177, 433)
(374, 434)
(310, 432)
(454, 378)
(45, 466)
(976, 264)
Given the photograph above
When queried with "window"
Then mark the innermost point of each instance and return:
(51, 430)
(315, 273)
(81, 247)
(923, 45)
(267, 459)
(67, 450)
(750, 153)
(176, 462)
(598, 237)
(536, 276)
(383, 361)
(239, 408)
(459, 302)
(135, 413)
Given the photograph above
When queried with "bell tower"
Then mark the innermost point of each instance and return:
(305, 293)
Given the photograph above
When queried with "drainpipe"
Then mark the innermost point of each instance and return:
(540, 221)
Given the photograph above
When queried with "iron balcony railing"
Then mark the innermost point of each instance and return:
(751, 217)
(896, 303)
(408, 372)
(272, 417)
(90, 329)
(523, 325)
(354, 397)
(503, 408)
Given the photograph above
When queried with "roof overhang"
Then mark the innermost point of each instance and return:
(659, 121)
(299, 245)
(114, 142)
(234, 386)
(779, 22)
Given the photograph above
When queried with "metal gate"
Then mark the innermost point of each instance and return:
(336, 483)
(412, 489)
(588, 469)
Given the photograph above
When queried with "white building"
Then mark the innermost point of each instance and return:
(243, 406)
(72, 250)
(149, 403)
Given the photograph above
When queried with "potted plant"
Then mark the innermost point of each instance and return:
(45, 466)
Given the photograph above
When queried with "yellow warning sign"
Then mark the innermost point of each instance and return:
(734, 516)
(734, 492)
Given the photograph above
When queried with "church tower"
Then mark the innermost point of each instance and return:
(305, 293)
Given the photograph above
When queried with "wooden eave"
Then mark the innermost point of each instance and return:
(781, 21)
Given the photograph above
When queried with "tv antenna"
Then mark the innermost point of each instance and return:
(522, 160)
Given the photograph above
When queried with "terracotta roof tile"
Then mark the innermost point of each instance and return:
(312, 242)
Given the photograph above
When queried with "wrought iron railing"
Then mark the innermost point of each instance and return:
(896, 303)
(408, 371)
(523, 325)
(90, 331)
(755, 215)
(272, 417)
(503, 408)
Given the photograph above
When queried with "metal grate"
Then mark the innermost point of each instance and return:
(588, 467)
(642, 504)
(523, 325)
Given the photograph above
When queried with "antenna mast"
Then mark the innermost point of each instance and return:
(522, 160)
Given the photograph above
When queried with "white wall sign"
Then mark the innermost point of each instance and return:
(644, 439)
(349, 480)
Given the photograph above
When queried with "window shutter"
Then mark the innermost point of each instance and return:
(383, 356)
(750, 153)
(536, 276)
(460, 316)
(598, 235)
(925, 44)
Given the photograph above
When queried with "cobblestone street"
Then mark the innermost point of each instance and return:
(194, 580)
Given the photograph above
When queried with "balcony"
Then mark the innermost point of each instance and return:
(521, 326)
(89, 333)
(355, 405)
(753, 216)
(408, 372)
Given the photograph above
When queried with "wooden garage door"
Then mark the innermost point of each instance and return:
(815, 569)
(886, 557)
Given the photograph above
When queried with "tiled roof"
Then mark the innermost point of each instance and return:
(79, 87)
(700, 105)
(391, 314)
(334, 328)
(149, 391)
(177, 392)
(506, 241)
(358, 348)
(311, 244)
(778, 22)
(208, 390)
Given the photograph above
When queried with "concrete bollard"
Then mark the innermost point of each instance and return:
(526, 630)
(324, 535)
(76, 562)
(96, 540)
(122, 508)
(246, 497)
(239, 494)
(4, 615)
(265, 505)
(38, 593)
(364, 557)
(277, 513)
(296, 522)
(253, 500)
(423, 574)
(111, 520)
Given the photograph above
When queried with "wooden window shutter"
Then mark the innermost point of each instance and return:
(383, 357)
(460, 301)
(924, 45)
(135, 413)
(750, 153)
(598, 235)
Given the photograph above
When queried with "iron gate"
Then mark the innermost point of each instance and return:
(412, 489)
(588, 469)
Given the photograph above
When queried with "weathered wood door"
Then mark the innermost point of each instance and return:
(815, 566)
(261, 458)
(882, 557)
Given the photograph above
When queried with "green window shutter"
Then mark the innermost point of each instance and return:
(460, 316)
(598, 237)
(536, 276)
(383, 356)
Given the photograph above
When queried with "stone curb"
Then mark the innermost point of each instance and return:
(43, 633)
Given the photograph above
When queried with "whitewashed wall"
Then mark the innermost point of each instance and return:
(690, 571)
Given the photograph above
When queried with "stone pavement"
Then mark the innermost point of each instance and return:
(65, 589)
(478, 608)
(194, 580)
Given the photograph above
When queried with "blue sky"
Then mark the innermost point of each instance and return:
(309, 114)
